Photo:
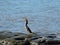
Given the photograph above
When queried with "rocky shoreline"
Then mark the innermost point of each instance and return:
(10, 38)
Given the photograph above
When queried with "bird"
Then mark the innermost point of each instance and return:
(26, 25)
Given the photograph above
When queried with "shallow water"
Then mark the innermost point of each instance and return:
(43, 16)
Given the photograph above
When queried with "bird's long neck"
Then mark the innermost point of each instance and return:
(27, 28)
(26, 24)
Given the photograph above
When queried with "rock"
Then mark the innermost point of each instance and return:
(3, 42)
(8, 34)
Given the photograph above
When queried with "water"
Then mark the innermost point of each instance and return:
(43, 15)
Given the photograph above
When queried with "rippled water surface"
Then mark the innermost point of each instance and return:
(43, 15)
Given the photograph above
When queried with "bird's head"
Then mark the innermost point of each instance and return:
(25, 20)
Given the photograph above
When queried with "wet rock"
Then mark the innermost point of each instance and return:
(3, 42)
(8, 34)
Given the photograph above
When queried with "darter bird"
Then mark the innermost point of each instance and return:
(26, 25)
